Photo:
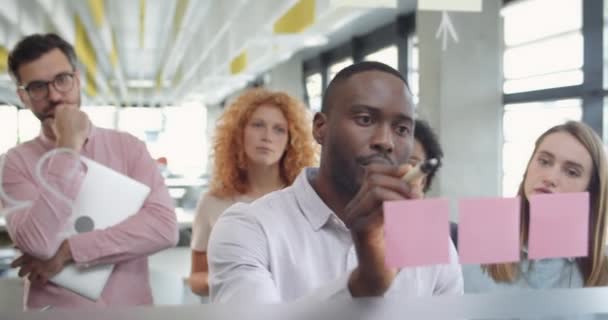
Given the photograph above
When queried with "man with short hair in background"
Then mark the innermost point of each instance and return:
(48, 83)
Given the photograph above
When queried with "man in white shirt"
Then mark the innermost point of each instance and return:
(323, 237)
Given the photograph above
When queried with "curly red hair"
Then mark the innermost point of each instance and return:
(230, 165)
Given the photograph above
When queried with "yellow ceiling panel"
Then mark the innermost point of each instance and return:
(298, 18)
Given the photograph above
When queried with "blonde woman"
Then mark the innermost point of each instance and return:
(262, 141)
(567, 158)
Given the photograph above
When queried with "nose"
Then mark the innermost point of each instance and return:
(382, 139)
(266, 134)
(53, 95)
(550, 177)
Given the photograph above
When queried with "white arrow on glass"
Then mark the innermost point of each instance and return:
(446, 29)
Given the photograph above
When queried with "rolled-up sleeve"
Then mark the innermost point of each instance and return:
(36, 228)
(151, 229)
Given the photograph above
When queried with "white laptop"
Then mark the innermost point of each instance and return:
(105, 199)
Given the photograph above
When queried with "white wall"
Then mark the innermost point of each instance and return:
(461, 96)
(287, 77)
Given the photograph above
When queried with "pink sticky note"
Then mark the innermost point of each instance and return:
(488, 230)
(559, 225)
(416, 232)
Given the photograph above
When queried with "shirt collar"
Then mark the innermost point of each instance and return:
(315, 210)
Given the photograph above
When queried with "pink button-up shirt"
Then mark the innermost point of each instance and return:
(35, 229)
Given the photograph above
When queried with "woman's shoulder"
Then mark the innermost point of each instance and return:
(211, 199)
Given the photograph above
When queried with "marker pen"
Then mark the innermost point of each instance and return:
(421, 169)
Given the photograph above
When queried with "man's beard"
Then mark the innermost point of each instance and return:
(46, 113)
(344, 175)
(347, 173)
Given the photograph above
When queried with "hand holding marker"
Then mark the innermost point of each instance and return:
(422, 168)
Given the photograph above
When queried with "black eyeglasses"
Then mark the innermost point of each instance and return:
(38, 90)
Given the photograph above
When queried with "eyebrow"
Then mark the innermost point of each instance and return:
(363, 108)
(282, 124)
(402, 117)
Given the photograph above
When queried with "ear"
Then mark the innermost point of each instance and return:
(319, 127)
(23, 97)
(77, 76)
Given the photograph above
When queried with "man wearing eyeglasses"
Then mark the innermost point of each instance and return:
(48, 83)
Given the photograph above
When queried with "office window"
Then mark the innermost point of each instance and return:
(538, 56)
(314, 90)
(29, 125)
(541, 55)
(606, 121)
(102, 116)
(9, 125)
(144, 123)
(605, 32)
(19, 126)
(184, 140)
(336, 67)
(413, 75)
(387, 55)
(523, 123)
(176, 133)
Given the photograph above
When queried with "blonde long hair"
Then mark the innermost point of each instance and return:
(594, 268)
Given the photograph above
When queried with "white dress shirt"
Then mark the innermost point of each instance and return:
(289, 245)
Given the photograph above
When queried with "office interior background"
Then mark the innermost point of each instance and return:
(163, 70)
